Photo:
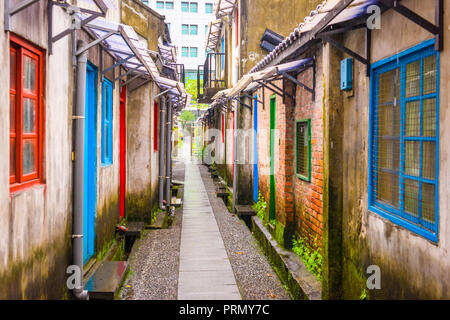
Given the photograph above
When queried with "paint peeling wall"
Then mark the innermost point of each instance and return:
(35, 223)
(411, 266)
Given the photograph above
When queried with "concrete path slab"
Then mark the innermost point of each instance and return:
(205, 269)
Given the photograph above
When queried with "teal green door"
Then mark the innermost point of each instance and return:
(272, 157)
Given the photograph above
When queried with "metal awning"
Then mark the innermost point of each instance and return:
(224, 7)
(338, 16)
(213, 37)
(168, 53)
(175, 91)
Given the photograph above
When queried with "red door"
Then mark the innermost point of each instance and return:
(123, 151)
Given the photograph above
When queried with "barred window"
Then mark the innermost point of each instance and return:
(404, 140)
(303, 149)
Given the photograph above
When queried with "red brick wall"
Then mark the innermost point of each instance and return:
(297, 201)
(308, 195)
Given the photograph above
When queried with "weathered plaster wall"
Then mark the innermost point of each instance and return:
(280, 16)
(35, 223)
(411, 266)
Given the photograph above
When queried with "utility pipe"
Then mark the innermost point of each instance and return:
(235, 161)
(77, 225)
(168, 154)
(161, 151)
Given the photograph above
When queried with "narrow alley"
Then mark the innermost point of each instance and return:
(207, 253)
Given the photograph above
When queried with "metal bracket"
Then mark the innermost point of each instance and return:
(436, 29)
(241, 103)
(350, 52)
(75, 24)
(9, 12)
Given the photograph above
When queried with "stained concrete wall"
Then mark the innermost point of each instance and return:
(35, 223)
(411, 266)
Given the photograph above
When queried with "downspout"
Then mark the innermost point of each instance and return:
(235, 158)
(168, 154)
(161, 151)
(77, 236)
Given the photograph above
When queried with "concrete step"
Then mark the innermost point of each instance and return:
(159, 222)
(177, 182)
(134, 232)
(245, 210)
(106, 281)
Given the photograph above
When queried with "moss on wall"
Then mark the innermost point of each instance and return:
(42, 275)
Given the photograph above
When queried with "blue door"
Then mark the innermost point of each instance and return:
(90, 164)
(255, 150)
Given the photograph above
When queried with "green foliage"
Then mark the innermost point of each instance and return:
(311, 257)
(187, 116)
(191, 88)
(260, 207)
(363, 295)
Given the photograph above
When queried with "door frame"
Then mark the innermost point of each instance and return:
(255, 150)
(90, 163)
(273, 106)
(123, 152)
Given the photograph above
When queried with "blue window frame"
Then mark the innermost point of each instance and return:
(107, 122)
(194, 30)
(208, 7)
(194, 52)
(184, 51)
(404, 139)
(194, 7)
(184, 29)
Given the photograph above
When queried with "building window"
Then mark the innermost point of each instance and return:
(185, 7)
(145, 2)
(184, 51)
(184, 29)
(155, 127)
(206, 29)
(194, 30)
(168, 26)
(208, 7)
(403, 182)
(194, 7)
(160, 4)
(169, 5)
(25, 113)
(194, 52)
(303, 149)
(107, 122)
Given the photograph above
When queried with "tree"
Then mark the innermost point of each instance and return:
(191, 88)
(187, 116)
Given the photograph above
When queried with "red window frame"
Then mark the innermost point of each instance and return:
(19, 49)
(155, 127)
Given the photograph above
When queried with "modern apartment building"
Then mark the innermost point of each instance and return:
(188, 25)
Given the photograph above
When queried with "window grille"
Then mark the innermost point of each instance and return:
(404, 140)
(303, 149)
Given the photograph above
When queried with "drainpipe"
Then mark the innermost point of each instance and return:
(77, 236)
(168, 153)
(235, 157)
(161, 151)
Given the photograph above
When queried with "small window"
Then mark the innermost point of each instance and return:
(160, 4)
(169, 5)
(403, 160)
(107, 122)
(25, 114)
(168, 26)
(303, 149)
(145, 2)
(184, 29)
(184, 51)
(194, 7)
(194, 52)
(206, 29)
(208, 8)
(185, 7)
(194, 30)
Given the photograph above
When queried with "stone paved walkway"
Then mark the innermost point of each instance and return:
(205, 271)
